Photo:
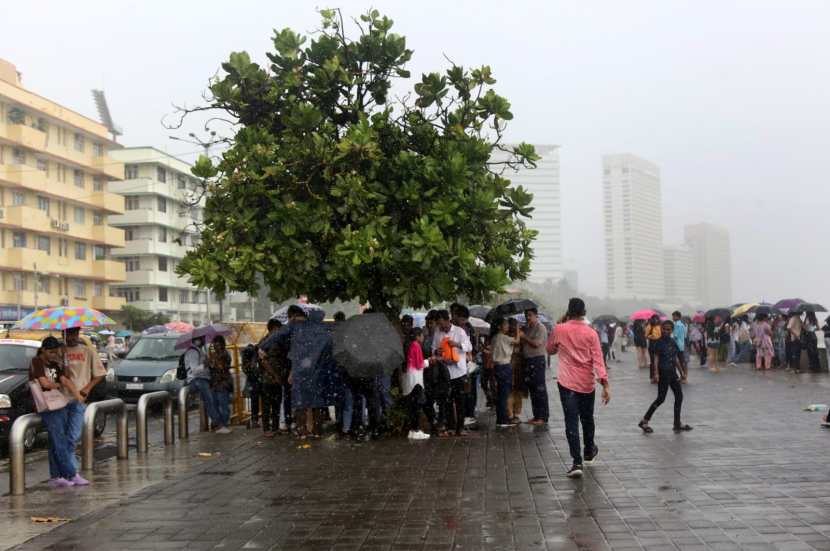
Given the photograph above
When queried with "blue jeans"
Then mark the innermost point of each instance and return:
(222, 402)
(578, 406)
(202, 386)
(74, 428)
(504, 385)
(535, 376)
(61, 459)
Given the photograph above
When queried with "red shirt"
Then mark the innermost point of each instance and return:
(580, 356)
(415, 359)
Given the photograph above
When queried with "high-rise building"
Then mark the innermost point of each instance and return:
(679, 274)
(632, 209)
(56, 244)
(712, 258)
(543, 183)
(160, 225)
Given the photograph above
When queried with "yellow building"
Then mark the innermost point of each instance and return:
(55, 241)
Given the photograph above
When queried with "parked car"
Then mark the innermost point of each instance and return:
(15, 398)
(149, 366)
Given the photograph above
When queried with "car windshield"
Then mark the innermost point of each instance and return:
(156, 349)
(13, 356)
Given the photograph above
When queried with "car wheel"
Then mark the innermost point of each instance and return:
(100, 424)
(30, 439)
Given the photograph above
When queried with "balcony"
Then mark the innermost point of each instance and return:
(35, 180)
(110, 202)
(26, 136)
(151, 217)
(109, 270)
(109, 167)
(148, 246)
(38, 221)
(157, 278)
(24, 260)
(108, 303)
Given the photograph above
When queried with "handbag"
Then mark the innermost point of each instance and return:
(47, 400)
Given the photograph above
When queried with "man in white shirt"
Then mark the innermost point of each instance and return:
(450, 345)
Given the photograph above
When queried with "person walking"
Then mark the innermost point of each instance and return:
(666, 353)
(412, 387)
(762, 340)
(47, 371)
(501, 350)
(696, 339)
(451, 343)
(617, 346)
(652, 335)
(83, 367)
(221, 385)
(679, 336)
(580, 364)
(604, 342)
(640, 343)
(534, 341)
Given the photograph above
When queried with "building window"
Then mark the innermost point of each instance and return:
(162, 204)
(162, 263)
(100, 252)
(182, 180)
(162, 294)
(80, 251)
(43, 203)
(184, 297)
(19, 156)
(63, 247)
(161, 174)
(98, 149)
(78, 175)
(128, 235)
(163, 235)
(43, 166)
(43, 284)
(44, 244)
(132, 264)
(19, 282)
(131, 294)
(97, 218)
(80, 215)
(18, 198)
(100, 289)
(131, 202)
(19, 240)
(130, 172)
(97, 183)
(79, 142)
(79, 287)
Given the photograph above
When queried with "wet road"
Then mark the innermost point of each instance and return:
(750, 476)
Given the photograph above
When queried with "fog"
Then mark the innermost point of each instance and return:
(730, 99)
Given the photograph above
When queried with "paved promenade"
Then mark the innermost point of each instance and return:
(751, 475)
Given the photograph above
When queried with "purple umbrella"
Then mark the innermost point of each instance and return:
(209, 332)
(155, 330)
(787, 303)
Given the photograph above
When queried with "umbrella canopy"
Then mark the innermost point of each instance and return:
(807, 307)
(106, 332)
(722, 313)
(64, 317)
(765, 309)
(543, 319)
(179, 327)
(699, 317)
(312, 312)
(744, 309)
(644, 314)
(155, 330)
(510, 308)
(124, 333)
(479, 311)
(209, 332)
(607, 318)
(368, 345)
(785, 304)
(478, 323)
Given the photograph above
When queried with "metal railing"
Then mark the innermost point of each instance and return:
(17, 449)
(184, 431)
(115, 405)
(141, 418)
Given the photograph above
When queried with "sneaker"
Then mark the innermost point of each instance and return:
(590, 458)
(223, 430)
(59, 483)
(413, 435)
(469, 421)
(421, 435)
(575, 472)
(78, 480)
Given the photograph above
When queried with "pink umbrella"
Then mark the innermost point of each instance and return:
(179, 327)
(699, 317)
(644, 314)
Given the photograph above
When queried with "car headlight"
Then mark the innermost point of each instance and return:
(110, 375)
(5, 401)
(169, 376)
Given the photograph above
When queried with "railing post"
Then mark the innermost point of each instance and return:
(17, 449)
(169, 439)
(143, 444)
(183, 428)
(114, 405)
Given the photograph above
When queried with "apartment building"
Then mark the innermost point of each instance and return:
(56, 244)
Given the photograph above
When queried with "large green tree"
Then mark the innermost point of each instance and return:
(340, 183)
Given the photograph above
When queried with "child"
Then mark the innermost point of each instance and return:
(665, 371)
(501, 349)
(412, 385)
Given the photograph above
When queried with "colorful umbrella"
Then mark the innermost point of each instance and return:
(179, 326)
(722, 314)
(744, 309)
(64, 317)
(643, 314)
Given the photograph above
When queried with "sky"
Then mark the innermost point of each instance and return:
(730, 99)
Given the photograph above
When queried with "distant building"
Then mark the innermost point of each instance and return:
(712, 259)
(679, 274)
(633, 221)
(159, 227)
(543, 183)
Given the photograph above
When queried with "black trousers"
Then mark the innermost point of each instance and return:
(255, 391)
(794, 354)
(271, 398)
(454, 405)
(667, 380)
(417, 403)
(652, 346)
(367, 388)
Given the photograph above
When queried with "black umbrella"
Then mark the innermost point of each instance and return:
(722, 313)
(765, 309)
(807, 307)
(607, 318)
(368, 345)
(511, 307)
(479, 311)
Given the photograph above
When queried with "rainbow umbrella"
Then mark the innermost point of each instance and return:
(64, 317)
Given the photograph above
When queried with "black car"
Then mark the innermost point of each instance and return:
(15, 398)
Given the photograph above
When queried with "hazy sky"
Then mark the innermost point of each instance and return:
(730, 99)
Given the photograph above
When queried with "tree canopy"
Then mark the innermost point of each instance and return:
(340, 183)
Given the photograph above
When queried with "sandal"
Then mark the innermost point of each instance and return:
(644, 425)
(682, 428)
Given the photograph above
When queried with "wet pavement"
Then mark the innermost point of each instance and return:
(750, 476)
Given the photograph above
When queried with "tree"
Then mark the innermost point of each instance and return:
(333, 189)
(137, 319)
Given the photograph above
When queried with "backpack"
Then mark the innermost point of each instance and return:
(181, 370)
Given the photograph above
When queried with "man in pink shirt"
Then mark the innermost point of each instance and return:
(580, 356)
